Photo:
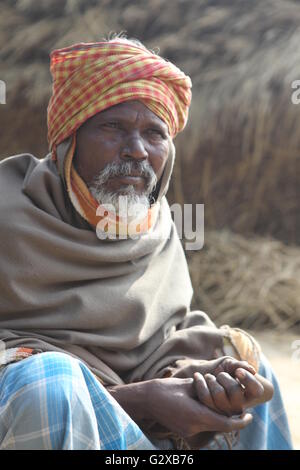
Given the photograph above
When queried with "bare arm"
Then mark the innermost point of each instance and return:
(173, 403)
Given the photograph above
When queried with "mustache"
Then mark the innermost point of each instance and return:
(127, 168)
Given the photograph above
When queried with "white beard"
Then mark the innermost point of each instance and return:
(125, 202)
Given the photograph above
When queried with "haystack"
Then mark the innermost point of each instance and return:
(249, 283)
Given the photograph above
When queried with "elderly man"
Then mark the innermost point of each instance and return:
(100, 349)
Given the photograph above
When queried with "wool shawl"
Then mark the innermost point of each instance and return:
(121, 306)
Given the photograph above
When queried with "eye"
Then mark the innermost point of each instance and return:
(157, 133)
(111, 125)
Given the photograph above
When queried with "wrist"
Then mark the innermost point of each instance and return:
(134, 399)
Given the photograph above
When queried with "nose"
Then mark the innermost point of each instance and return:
(134, 148)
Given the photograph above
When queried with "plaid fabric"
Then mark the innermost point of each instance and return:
(88, 78)
(53, 401)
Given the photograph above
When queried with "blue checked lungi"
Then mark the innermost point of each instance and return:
(53, 401)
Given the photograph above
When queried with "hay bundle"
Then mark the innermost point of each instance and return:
(240, 155)
(250, 283)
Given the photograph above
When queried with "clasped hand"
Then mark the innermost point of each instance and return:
(201, 397)
(227, 385)
(209, 396)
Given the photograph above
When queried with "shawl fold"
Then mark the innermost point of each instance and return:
(123, 307)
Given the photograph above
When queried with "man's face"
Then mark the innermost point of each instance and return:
(126, 137)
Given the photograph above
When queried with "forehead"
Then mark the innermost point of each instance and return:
(130, 111)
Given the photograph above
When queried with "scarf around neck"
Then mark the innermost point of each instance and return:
(121, 306)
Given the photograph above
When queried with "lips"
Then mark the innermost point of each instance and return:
(133, 175)
(131, 178)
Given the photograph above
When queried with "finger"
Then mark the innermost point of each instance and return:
(238, 423)
(234, 392)
(202, 390)
(230, 365)
(216, 422)
(267, 385)
(218, 394)
(253, 388)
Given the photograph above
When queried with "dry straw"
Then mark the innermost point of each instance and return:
(250, 283)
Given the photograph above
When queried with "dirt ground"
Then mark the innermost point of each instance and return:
(283, 352)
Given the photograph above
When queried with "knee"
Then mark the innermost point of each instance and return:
(45, 389)
(49, 372)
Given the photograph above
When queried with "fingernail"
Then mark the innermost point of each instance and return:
(209, 376)
(241, 373)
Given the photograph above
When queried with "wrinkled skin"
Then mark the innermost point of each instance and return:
(126, 131)
(227, 385)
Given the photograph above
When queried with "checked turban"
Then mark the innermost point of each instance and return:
(91, 77)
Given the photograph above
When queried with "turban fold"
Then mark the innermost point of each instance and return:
(91, 77)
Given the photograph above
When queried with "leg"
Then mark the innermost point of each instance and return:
(53, 401)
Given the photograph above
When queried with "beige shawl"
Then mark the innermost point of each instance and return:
(122, 306)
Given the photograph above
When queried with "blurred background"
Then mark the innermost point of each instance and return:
(239, 155)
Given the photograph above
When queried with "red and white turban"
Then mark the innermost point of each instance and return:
(91, 77)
